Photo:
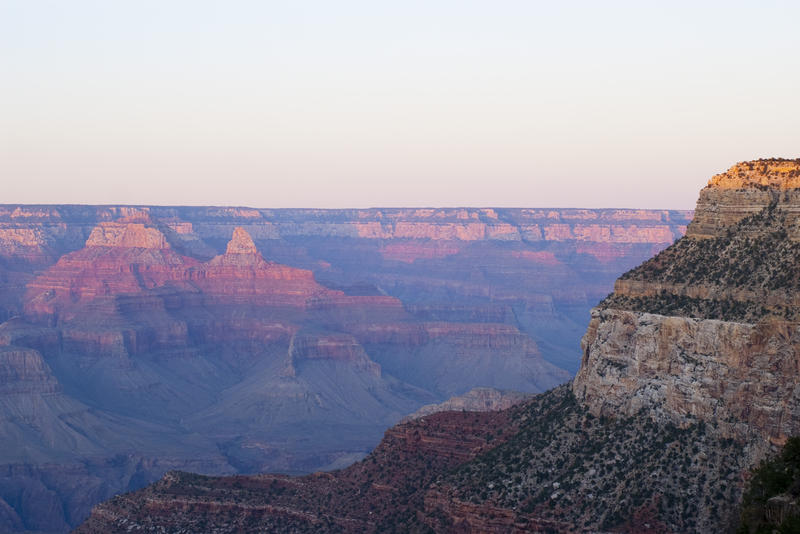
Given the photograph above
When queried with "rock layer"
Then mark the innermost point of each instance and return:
(234, 363)
(746, 189)
(707, 330)
(738, 375)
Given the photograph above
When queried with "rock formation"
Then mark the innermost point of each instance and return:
(707, 330)
(231, 364)
(474, 400)
(687, 380)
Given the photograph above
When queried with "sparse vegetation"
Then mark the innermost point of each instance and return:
(755, 259)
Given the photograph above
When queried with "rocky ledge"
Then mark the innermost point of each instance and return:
(708, 329)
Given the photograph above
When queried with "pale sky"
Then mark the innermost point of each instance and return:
(341, 103)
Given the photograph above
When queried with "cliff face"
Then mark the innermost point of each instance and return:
(738, 375)
(707, 330)
(545, 466)
(745, 189)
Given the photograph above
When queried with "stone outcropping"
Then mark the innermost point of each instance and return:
(739, 376)
(746, 189)
(707, 330)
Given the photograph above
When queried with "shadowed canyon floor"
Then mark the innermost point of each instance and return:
(233, 340)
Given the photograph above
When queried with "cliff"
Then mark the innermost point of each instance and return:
(547, 465)
(707, 329)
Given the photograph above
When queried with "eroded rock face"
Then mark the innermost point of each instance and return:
(740, 376)
(24, 371)
(707, 329)
(774, 173)
(241, 243)
(745, 189)
(127, 346)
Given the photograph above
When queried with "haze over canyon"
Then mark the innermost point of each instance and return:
(238, 340)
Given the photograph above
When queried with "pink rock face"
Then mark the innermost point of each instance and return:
(244, 274)
(241, 243)
(118, 259)
(130, 235)
(177, 309)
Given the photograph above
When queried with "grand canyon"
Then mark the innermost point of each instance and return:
(138, 340)
(687, 381)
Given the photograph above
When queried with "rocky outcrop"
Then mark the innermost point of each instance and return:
(737, 375)
(707, 329)
(330, 347)
(241, 243)
(246, 363)
(777, 174)
(380, 493)
(127, 235)
(24, 371)
(243, 275)
(746, 189)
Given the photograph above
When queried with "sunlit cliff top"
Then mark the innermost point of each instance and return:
(774, 173)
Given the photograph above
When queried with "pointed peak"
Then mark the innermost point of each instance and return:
(241, 243)
(126, 235)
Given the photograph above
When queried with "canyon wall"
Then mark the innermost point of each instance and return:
(687, 380)
(708, 329)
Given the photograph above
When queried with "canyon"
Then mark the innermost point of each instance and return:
(687, 380)
(140, 340)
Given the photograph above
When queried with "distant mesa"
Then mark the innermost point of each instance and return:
(775, 173)
(126, 235)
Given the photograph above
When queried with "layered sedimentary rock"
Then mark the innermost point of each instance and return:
(169, 322)
(474, 400)
(545, 267)
(243, 364)
(745, 189)
(687, 380)
(545, 466)
(707, 330)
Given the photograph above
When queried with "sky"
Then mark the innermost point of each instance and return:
(336, 104)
